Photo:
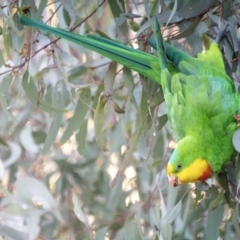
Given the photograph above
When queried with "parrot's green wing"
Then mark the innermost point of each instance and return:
(199, 86)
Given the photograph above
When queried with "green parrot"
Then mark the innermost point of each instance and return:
(200, 97)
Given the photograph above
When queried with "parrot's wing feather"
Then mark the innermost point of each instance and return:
(192, 101)
(145, 64)
(173, 54)
(213, 56)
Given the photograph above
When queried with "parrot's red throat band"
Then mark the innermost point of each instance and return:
(206, 174)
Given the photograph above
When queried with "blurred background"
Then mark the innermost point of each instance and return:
(84, 141)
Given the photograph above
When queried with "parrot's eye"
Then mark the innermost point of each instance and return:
(179, 166)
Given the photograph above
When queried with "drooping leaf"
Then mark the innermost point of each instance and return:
(77, 208)
(99, 122)
(32, 94)
(131, 229)
(79, 115)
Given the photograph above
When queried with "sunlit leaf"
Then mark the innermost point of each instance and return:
(32, 191)
(128, 158)
(77, 208)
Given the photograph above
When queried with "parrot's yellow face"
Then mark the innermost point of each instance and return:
(199, 170)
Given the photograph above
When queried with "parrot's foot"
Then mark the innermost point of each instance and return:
(237, 118)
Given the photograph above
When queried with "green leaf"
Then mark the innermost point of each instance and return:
(235, 220)
(11, 233)
(188, 29)
(129, 83)
(167, 231)
(29, 189)
(145, 111)
(213, 222)
(101, 233)
(79, 115)
(7, 38)
(16, 152)
(77, 208)
(1, 58)
(56, 122)
(4, 89)
(40, 9)
(71, 11)
(109, 77)
(155, 219)
(131, 229)
(99, 122)
(173, 12)
(117, 8)
(171, 215)
(81, 137)
(32, 94)
(39, 137)
(76, 72)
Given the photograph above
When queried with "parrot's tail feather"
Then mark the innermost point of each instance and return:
(173, 54)
(137, 60)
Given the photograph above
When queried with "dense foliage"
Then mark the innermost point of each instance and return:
(84, 141)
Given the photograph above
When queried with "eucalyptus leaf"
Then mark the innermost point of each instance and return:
(30, 189)
(99, 122)
(32, 94)
(213, 223)
(236, 140)
(131, 229)
(171, 215)
(67, 4)
(79, 115)
(77, 208)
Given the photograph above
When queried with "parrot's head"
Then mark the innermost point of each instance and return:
(188, 163)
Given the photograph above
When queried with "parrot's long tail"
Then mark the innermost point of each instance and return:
(173, 54)
(144, 63)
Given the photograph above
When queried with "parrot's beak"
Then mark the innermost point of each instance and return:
(173, 180)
